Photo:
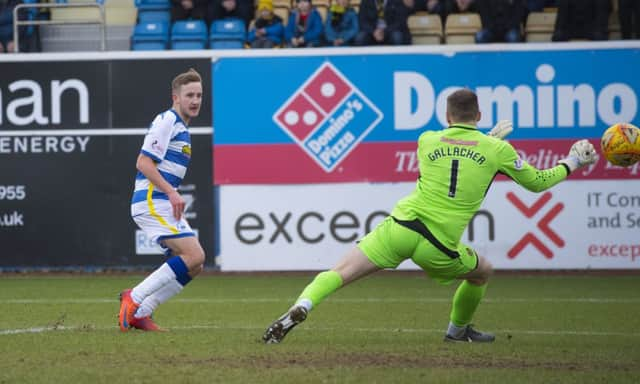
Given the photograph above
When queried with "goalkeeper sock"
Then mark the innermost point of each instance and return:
(322, 286)
(465, 302)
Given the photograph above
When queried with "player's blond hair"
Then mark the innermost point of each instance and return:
(462, 106)
(191, 76)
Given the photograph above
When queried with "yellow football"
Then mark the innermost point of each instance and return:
(621, 144)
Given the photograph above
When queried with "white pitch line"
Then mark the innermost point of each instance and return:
(501, 333)
(590, 300)
(35, 330)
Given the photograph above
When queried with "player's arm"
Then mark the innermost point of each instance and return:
(536, 180)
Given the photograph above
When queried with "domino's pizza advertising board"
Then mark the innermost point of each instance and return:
(308, 146)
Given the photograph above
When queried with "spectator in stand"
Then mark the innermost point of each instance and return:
(189, 9)
(267, 30)
(6, 25)
(582, 19)
(341, 26)
(432, 7)
(459, 6)
(540, 5)
(501, 20)
(384, 22)
(629, 13)
(304, 28)
(224, 9)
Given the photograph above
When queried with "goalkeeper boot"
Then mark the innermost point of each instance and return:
(128, 308)
(470, 335)
(279, 329)
(146, 324)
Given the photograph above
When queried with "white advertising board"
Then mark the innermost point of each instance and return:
(575, 225)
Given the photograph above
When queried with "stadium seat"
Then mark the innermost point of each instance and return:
(540, 26)
(282, 3)
(153, 5)
(227, 34)
(150, 37)
(461, 28)
(283, 12)
(74, 1)
(154, 16)
(74, 14)
(323, 11)
(120, 12)
(425, 28)
(189, 34)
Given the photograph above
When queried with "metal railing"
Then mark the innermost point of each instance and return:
(100, 20)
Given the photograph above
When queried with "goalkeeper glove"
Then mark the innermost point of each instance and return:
(501, 129)
(581, 153)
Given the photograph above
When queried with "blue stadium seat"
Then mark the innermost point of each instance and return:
(227, 34)
(189, 34)
(146, 16)
(153, 5)
(150, 37)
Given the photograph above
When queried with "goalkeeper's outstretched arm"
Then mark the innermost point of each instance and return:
(581, 154)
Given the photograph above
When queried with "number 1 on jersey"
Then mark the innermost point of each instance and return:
(454, 177)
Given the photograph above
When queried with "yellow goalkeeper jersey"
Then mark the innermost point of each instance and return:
(457, 166)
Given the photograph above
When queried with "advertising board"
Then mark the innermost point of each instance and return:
(349, 118)
(70, 132)
(575, 225)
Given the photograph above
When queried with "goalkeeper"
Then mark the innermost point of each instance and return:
(457, 167)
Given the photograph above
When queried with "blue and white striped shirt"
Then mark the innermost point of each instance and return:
(168, 143)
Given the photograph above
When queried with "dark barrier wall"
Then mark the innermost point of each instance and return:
(70, 133)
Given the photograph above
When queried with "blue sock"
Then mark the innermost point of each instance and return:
(180, 269)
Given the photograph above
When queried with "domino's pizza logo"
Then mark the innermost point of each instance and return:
(327, 116)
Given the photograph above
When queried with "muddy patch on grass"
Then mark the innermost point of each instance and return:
(378, 360)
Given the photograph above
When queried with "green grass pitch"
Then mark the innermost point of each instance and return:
(387, 328)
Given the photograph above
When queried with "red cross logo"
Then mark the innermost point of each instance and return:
(543, 225)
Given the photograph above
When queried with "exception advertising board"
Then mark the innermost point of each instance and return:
(70, 132)
(575, 225)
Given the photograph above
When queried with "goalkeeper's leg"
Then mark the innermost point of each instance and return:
(465, 302)
(353, 266)
(385, 247)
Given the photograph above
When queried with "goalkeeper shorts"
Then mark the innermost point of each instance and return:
(394, 241)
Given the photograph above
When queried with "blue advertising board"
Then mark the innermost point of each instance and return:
(344, 117)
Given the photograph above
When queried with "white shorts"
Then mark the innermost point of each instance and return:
(157, 221)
